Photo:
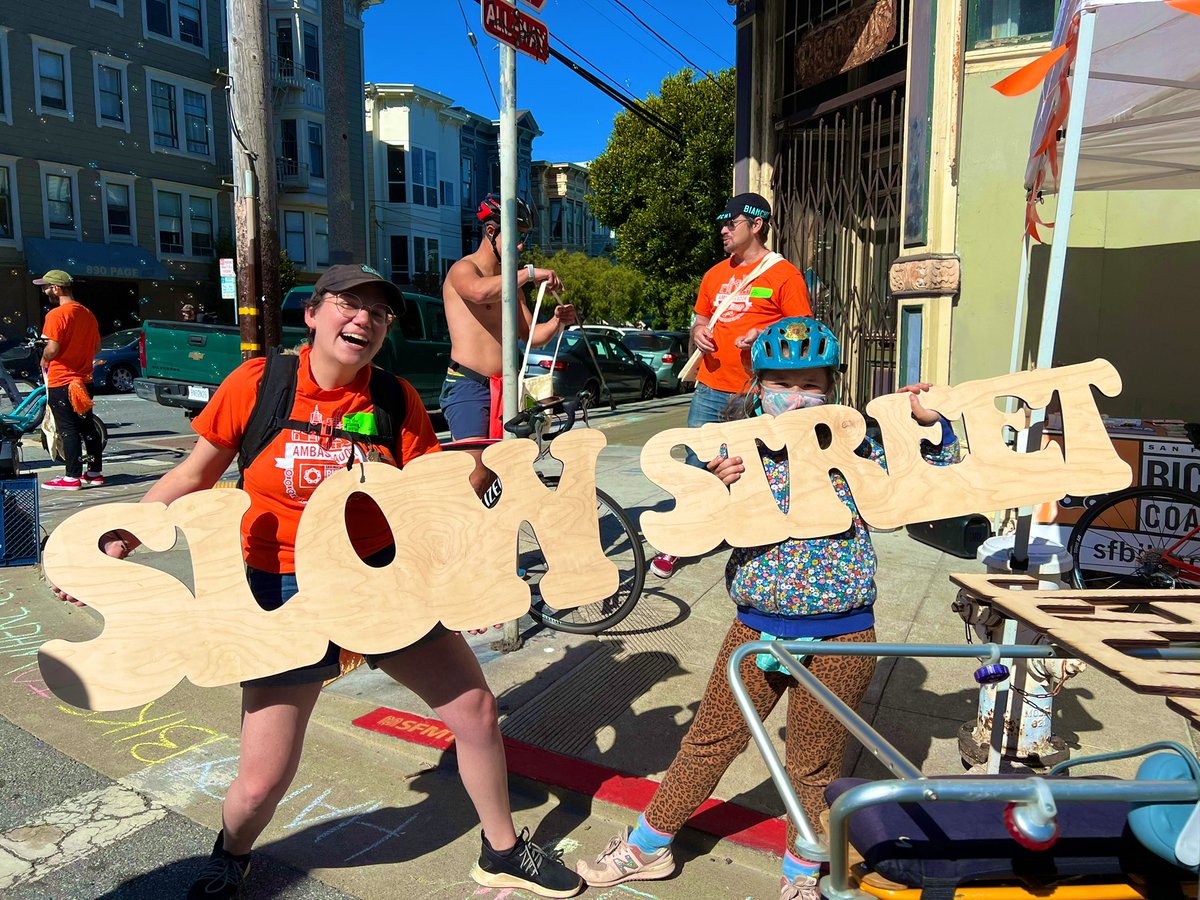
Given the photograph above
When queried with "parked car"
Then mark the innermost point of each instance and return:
(118, 361)
(617, 331)
(575, 371)
(184, 362)
(663, 351)
(22, 360)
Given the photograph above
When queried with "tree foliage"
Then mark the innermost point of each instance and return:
(662, 196)
(600, 290)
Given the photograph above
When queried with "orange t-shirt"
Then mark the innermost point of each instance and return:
(777, 293)
(78, 335)
(286, 473)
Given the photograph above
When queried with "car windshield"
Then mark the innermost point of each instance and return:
(645, 340)
(119, 339)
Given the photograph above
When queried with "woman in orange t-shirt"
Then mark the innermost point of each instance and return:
(349, 314)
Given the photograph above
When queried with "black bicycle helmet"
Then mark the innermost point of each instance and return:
(489, 211)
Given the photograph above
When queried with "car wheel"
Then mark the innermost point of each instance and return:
(590, 394)
(120, 379)
(649, 387)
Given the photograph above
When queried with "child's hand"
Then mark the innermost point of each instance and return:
(746, 341)
(919, 412)
(728, 468)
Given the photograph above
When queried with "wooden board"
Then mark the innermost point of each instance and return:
(823, 439)
(456, 560)
(455, 563)
(1098, 626)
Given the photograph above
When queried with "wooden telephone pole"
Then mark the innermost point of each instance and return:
(254, 210)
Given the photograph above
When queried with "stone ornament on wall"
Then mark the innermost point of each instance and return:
(455, 559)
(845, 42)
(925, 276)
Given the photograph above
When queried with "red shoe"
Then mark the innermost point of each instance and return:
(664, 565)
(90, 480)
(62, 483)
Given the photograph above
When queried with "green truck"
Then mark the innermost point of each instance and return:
(184, 362)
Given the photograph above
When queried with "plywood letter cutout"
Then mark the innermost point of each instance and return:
(1101, 626)
(823, 439)
(455, 563)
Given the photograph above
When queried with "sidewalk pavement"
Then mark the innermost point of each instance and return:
(375, 816)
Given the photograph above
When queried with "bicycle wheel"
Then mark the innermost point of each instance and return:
(1120, 541)
(622, 545)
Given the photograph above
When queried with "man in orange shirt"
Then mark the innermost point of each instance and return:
(764, 288)
(72, 339)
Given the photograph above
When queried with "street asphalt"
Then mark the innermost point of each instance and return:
(374, 816)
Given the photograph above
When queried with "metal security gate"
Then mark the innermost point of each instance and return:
(837, 189)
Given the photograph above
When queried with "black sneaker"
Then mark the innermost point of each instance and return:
(222, 876)
(526, 866)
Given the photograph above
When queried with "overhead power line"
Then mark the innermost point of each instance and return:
(637, 109)
(667, 43)
(635, 106)
(717, 53)
(475, 44)
(650, 48)
(717, 12)
(629, 101)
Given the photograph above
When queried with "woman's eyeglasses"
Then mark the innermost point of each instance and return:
(349, 306)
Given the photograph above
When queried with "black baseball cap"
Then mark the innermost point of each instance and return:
(346, 277)
(753, 205)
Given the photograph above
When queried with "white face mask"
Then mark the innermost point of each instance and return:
(776, 402)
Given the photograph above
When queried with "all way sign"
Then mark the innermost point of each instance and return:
(519, 30)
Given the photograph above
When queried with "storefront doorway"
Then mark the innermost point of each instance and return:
(113, 301)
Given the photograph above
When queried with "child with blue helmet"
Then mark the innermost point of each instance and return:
(811, 589)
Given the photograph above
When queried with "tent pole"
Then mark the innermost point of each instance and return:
(1019, 318)
(1058, 252)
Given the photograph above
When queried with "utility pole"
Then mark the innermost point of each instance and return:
(337, 137)
(510, 296)
(254, 179)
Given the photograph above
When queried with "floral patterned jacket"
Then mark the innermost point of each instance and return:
(828, 577)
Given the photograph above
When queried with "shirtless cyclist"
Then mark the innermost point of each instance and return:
(471, 394)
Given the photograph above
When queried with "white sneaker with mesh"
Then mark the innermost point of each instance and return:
(802, 887)
(621, 861)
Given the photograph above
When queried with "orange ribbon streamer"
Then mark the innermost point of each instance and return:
(1026, 78)
(1187, 6)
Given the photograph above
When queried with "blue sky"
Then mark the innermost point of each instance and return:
(424, 42)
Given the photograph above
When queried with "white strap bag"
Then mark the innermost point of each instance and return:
(540, 387)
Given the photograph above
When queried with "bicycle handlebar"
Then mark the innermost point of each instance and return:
(521, 425)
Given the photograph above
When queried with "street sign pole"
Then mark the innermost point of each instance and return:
(509, 297)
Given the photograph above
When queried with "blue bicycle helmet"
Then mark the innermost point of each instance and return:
(796, 343)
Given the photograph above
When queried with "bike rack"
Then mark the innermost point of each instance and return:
(910, 785)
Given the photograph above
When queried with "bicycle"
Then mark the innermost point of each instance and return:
(620, 539)
(1141, 537)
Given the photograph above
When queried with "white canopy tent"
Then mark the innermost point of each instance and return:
(1120, 110)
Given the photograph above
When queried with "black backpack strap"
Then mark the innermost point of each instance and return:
(387, 396)
(273, 405)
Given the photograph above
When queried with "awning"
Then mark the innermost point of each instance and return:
(1141, 127)
(85, 259)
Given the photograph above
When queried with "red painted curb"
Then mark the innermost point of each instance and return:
(716, 817)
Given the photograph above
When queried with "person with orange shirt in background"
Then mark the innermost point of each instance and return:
(765, 288)
(72, 339)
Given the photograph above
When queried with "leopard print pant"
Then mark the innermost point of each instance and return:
(815, 744)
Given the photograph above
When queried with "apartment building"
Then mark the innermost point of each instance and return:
(112, 135)
(414, 139)
(560, 192)
(305, 130)
(480, 153)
